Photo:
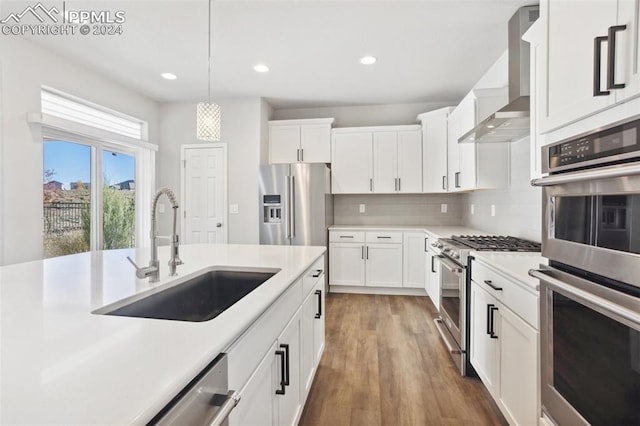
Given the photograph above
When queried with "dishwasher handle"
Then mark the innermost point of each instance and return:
(225, 409)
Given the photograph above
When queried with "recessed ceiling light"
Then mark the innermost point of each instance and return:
(368, 60)
(168, 76)
(261, 68)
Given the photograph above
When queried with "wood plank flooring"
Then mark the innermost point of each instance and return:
(384, 364)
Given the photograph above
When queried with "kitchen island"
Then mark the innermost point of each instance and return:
(62, 364)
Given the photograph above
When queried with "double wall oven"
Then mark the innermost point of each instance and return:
(590, 292)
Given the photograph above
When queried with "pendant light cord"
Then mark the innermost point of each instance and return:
(209, 55)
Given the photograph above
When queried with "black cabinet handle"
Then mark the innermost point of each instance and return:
(597, 58)
(611, 60)
(493, 333)
(282, 390)
(444, 185)
(346, 236)
(489, 331)
(286, 364)
(425, 244)
(384, 238)
(457, 176)
(490, 284)
(319, 294)
(433, 269)
(317, 274)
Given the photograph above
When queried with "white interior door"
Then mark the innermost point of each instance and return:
(204, 194)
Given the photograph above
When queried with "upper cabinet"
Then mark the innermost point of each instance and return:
(592, 65)
(386, 159)
(476, 165)
(434, 150)
(300, 141)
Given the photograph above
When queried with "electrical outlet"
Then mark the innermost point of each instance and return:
(493, 209)
(443, 208)
(473, 208)
(362, 208)
(233, 209)
(161, 207)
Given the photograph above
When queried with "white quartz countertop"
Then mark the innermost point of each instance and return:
(514, 265)
(61, 364)
(436, 231)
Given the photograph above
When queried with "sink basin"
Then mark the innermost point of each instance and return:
(197, 299)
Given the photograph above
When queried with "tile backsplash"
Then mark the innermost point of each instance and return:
(397, 209)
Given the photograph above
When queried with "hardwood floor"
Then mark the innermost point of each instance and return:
(384, 364)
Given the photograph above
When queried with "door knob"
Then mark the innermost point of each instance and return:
(218, 225)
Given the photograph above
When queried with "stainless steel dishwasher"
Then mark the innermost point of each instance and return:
(206, 400)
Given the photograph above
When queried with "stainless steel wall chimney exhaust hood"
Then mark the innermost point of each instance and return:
(512, 121)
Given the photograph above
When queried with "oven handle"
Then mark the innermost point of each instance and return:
(595, 174)
(451, 266)
(443, 333)
(598, 303)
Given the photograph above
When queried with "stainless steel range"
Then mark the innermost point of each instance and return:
(454, 285)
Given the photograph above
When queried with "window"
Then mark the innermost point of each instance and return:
(94, 185)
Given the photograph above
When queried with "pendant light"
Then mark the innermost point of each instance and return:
(208, 113)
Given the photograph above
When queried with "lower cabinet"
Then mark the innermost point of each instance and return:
(383, 265)
(504, 353)
(274, 385)
(415, 250)
(432, 274)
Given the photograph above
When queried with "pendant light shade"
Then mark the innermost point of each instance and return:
(208, 121)
(208, 113)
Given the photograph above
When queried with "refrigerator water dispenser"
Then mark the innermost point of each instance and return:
(272, 209)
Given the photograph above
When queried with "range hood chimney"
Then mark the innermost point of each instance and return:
(512, 121)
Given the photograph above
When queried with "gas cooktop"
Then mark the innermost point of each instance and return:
(496, 243)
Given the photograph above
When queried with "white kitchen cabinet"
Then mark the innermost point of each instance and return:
(351, 163)
(384, 265)
(571, 93)
(312, 334)
(289, 402)
(294, 141)
(476, 165)
(346, 264)
(381, 160)
(414, 258)
(504, 344)
(434, 149)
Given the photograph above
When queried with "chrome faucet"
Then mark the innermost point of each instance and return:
(153, 270)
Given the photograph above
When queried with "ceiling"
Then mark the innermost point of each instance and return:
(428, 51)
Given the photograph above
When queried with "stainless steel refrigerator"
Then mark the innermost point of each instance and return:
(296, 205)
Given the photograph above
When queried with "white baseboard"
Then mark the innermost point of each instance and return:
(395, 291)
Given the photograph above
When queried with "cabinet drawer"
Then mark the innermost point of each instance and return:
(513, 296)
(346, 236)
(384, 237)
(310, 278)
(246, 352)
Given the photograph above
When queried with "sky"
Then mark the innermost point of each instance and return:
(71, 162)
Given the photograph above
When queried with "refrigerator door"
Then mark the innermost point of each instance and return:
(274, 183)
(312, 208)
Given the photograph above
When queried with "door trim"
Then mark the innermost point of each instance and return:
(225, 159)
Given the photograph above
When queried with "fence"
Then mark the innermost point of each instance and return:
(62, 217)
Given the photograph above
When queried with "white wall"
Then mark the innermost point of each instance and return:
(242, 130)
(518, 207)
(364, 115)
(25, 67)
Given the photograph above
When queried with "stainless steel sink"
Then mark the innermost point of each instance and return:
(197, 299)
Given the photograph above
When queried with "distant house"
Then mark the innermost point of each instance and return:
(75, 185)
(53, 185)
(128, 185)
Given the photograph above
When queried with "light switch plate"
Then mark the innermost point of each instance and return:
(362, 208)
(493, 209)
(233, 209)
(443, 208)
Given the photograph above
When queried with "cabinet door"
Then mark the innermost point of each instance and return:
(258, 400)
(413, 259)
(289, 404)
(571, 30)
(318, 323)
(453, 154)
(483, 347)
(385, 162)
(434, 153)
(315, 142)
(410, 161)
(384, 265)
(628, 50)
(518, 389)
(307, 352)
(284, 142)
(465, 121)
(433, 281)
(351, 163)
(346, 264)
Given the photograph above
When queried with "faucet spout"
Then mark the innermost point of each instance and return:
(175, 258)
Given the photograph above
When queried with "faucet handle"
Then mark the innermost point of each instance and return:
(143, 272)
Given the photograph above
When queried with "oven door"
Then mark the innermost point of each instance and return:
(452, 285)
(590, 350)
(592, 222)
